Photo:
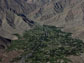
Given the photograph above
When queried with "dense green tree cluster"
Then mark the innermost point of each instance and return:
(47, 44)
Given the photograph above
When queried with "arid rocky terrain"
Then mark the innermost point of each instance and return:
(16, 16)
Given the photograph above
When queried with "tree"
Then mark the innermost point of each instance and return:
(47, 44)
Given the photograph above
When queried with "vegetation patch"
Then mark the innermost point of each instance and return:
(47, 44)
(0, 59)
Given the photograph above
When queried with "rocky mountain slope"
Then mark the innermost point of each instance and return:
(64, 13)
(13, 17)
(16, 16)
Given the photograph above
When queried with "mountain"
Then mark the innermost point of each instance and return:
(16, 16)
(62, 13)
(13, 17)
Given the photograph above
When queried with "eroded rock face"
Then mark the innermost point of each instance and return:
(13, 17)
